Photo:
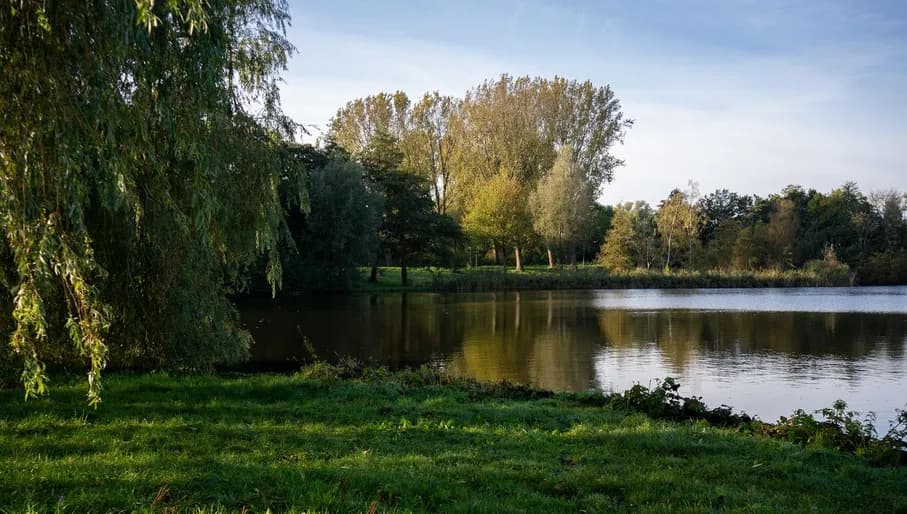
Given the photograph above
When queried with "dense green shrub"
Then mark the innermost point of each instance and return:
(837, 427)
(829, 268)
(885, 268)
(339, 232)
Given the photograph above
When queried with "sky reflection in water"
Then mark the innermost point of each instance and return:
(763, 351)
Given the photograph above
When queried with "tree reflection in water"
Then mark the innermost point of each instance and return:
(572, 340)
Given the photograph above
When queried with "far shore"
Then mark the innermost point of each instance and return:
(499, 278)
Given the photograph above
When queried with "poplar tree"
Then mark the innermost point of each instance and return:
(498, 215)
(561, 205)
(617, 250)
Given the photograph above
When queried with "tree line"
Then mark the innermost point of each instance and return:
(516, 164)
(843, 231)
(515, 161)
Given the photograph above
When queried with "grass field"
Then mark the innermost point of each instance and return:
(402, 442)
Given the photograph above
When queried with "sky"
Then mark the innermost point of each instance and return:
(746, 95)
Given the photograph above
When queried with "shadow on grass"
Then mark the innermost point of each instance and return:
(289, 444)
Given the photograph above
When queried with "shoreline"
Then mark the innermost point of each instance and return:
(494, 278)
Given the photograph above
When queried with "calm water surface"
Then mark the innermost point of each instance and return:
(764, 351)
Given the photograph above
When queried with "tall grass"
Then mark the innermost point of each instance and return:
(600, 278)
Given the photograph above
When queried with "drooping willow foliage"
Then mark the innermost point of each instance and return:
(137, 180)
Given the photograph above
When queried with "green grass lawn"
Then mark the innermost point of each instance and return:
(420, 279)
(398, 443)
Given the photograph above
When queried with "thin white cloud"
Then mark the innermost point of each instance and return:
(817, 115)
(345, 67)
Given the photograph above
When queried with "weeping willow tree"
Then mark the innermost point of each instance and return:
(141, 159)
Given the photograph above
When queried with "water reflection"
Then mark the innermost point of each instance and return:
(757, 359)
(683, 335)
(528, 338)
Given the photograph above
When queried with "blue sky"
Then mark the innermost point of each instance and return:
(748, 95)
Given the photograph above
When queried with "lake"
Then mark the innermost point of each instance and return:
(763, 351)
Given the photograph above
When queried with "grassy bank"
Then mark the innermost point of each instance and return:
(401, 442)
(489, 278)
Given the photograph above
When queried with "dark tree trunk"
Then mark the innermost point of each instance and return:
(376, 258)
(573, 255)
(403, 274)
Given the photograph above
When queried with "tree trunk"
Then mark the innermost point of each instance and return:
(404, 322)
(519, 260)
(403, 274)
(690, 258)
(550, 258)
(373, 276)
(668, 261)
(376, 258)
(573, 255)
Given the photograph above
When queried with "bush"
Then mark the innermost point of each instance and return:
(837, 428)
(843, 429)
(829, 268)
(885, 268)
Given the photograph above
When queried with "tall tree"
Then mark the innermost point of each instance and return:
(617, 251)
(358, 122)
(340, 232)
(429, 144)
(598, 229)
(721, 206)
(586, 117)
(676, 221)
(500, 130)
(135, 183)
(498, 214)
(380, 158)
(691, 223)
(719, 250)
(891, 206)
(845, 219)
(645, 234)
(411, 226)
(509, 123)
(561, 205)
(781, 234)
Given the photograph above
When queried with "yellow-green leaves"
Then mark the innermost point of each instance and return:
(145, 16)
(562, 201)
(498, 213)
(515, 124)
